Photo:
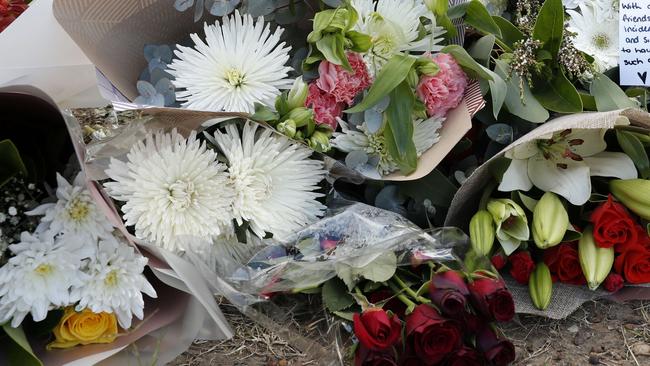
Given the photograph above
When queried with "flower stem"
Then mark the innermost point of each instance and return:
(409, 290)
(487, 193)
(400, 296)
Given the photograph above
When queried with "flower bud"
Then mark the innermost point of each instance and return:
(320, 141)
(550, 221)
(300, 116)
(511, 221)
(297, 94)
(540, 286)
(412, 78)
(431, 5)
(287, 128)
(481, 232)
(596, 262)
(426, 66)
(634, 194)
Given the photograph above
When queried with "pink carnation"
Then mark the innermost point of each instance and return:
(445, 90)
(344, 85)
(325, 106)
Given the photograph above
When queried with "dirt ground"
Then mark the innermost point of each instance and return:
(599, 333)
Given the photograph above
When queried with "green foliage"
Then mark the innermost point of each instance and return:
(434, 187)
(472, 68)
(17, 348)
(336, 296)
(11, 164)
(526, 106)
(478, 17)
(549, 27)
(608, 95)
(556, 93)
(398, 134)
(633, 147)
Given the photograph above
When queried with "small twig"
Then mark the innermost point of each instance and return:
(628, 346)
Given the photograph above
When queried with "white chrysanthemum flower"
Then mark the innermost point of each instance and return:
(239, 63)
(74, 213)
(572, 4)
(394, 26)
(116, 282)
(172, 186)
(599, 42)
(45, 273)
(425, 135)
(606, 10)
(274, 180)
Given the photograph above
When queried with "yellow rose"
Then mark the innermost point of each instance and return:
(84, 327)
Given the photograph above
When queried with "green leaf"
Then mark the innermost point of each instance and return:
(434, 186)
(19, 351)
(633, 147)
(549, 26)
(482, 49)
(457, 11)
(11, 163)
(398, 133)
(498, 91)
(588, 101)
(558, 94)
(264, 113)
(347, 315)
(336, 296)
(381, 269)
(373, 267)
(478, 17)
(498, 168)
(509, 33)
(571, 235)
(360, 42)
(530, 110)
(389, 77)
(332, 47)
(528, 202)
(608, 94)
(445, 22)
(471, 67)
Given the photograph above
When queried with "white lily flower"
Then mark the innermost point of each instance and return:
(563, 163)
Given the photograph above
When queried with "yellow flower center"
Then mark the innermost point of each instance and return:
(601, 40)
(111, 279)
(43, 269)
(78, 210)
(235, 77)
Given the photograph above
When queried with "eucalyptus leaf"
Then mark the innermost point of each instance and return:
(530, 109)
(335, 295)
(549, 26)
(509, 33)
(182, 5)
(471, 67)
(477, 16)
(374, 119)
(258, 8)
(557, 94)
(588, 101)
(434, 187)
(356, 158)
(398, 134)
(389, 77)
(633, 147)
(608, 94)
(482, 49)
(498, 91)
(390, 199)
(500, 132)
(198, 10)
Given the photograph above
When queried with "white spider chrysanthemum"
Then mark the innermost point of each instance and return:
(116, 282)
(74, 213)
(425, 135)
(394, 26)
(45, 273)
(239, 63)
(172, 186)
(274, 180)
(599, 42)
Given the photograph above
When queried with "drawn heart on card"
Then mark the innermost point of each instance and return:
(643, 76)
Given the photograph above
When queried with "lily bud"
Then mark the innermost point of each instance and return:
(287, 127)
(320, 141)
(298, 94)
(426, 66)
(540, 286)
(634, 194)
(550, 221)
(431, 5)
(300, 116)
(511, 221)
(412, 78)
(596, 262)
(481, 232)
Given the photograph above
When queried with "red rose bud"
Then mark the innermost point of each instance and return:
(376, 330)
(366, 357)
(613, 226)
(465, 356)
(522, 266)
(499, 260)
(449, 292)
(491, 298)
(564, 263)
(613, 282)
(432, 336)
(497, 351)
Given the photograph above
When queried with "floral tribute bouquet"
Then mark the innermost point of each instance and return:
(569, 206)
(399, 293)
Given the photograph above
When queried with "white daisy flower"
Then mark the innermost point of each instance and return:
(394, 26)
(45, 273)
(75, 212)
(239, 63)
(572, 4)
(599, 42)
(172, 186)
(425, 135)
(606, 10)
(273, 178)
(116, 282)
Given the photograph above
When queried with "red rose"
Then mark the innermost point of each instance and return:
(563, 262)
(9, 11)
(449, 292)
(499, 261)
(634, 264)
(394, 304)
(613, 225)
(497, 351)
(432, 336)
(465, 356)
(613, 282)
(365, 357)
(491, 298)
(522, 266)
(376, 330)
